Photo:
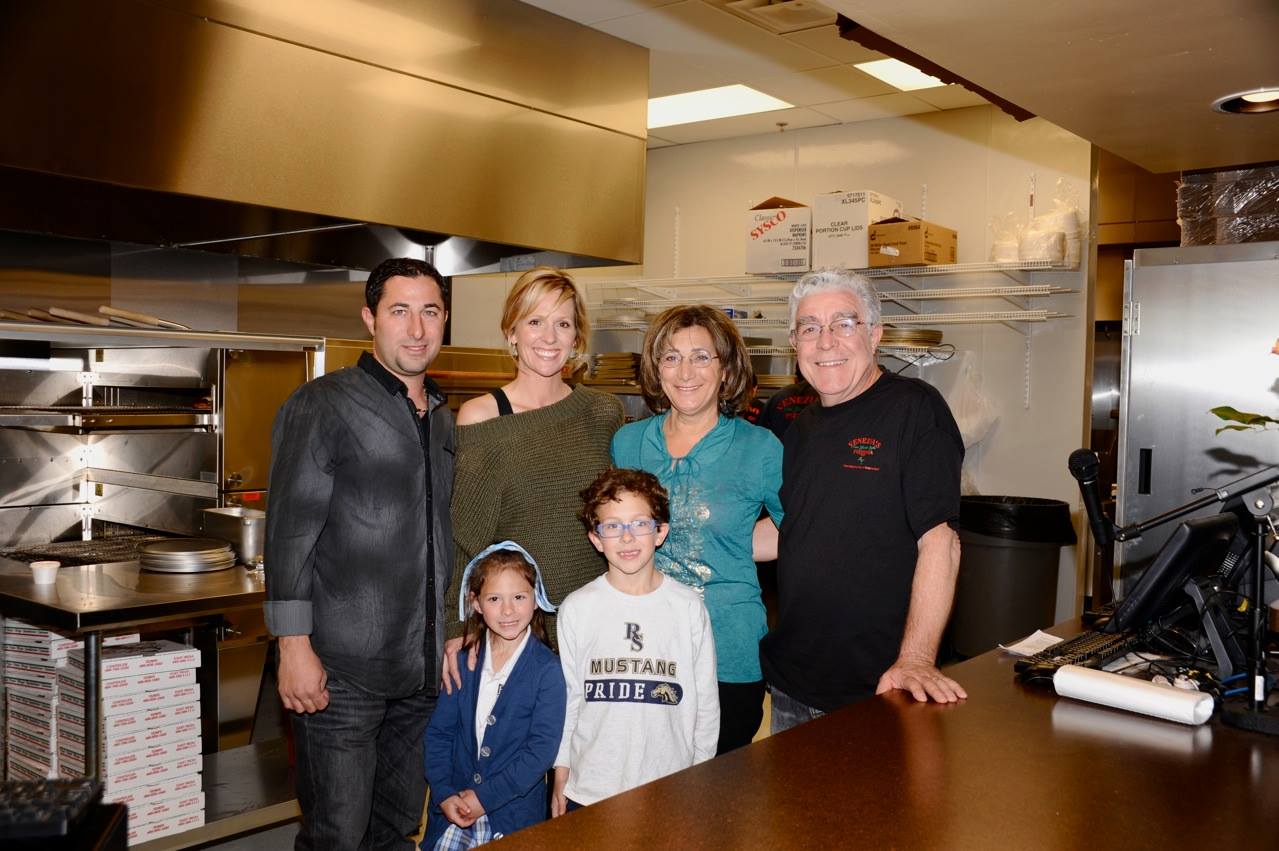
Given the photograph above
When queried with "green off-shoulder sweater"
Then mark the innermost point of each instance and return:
(519, 477)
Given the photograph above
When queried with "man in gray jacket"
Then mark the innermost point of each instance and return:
(358, 556)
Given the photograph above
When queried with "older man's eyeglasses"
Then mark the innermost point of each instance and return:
(846, 326)
(615, 529)
(699, 359)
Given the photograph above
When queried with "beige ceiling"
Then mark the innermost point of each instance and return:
(1136, 77)
(696, 44)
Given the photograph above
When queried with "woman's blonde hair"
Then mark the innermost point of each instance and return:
(734, 360)
(532, 287)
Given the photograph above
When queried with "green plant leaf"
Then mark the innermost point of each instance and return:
(1225, 412)
(1234, 428)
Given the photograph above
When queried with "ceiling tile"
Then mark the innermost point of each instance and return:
(826, 41)
(868, 109)
(949, 97)
(822, 85)
(715, 40)
(745, 125)
(594, 11)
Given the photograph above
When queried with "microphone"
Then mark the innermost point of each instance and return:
(1085, 467)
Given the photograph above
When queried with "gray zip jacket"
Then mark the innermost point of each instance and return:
(346, 537)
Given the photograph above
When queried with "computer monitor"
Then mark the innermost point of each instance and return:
(1196, 547)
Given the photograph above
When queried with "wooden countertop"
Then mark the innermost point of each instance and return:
(122, 594)
(1014, 766)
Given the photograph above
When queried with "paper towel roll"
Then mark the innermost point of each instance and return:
(1119, 692)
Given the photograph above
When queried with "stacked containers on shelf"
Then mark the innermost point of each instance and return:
(150, 737)
(33, 657)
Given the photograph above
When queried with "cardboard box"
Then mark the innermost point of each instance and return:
(166, 808)
(71, 737)
(143, 657)
(71, 699)
(140, 719)
(137, 796)
(70, 687)
(841, 226)
(117, 782)
(72, 757)
(165, 827)
(911, 242)
(777, 237)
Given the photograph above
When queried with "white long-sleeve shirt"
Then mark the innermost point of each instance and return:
(643, 698)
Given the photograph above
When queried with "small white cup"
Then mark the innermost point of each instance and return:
(45, 572)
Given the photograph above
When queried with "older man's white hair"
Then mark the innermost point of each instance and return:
(837, 280)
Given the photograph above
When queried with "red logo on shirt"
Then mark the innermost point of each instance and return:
(863, 449)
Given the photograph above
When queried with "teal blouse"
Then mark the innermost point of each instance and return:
(716, 492)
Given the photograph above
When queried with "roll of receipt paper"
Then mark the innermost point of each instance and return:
(1120, 692)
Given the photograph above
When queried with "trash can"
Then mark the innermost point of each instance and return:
(1010, 550)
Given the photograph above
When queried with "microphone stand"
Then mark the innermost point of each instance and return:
(1253, 492)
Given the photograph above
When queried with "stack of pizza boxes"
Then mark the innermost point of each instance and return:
(33, 656)
(150, 739)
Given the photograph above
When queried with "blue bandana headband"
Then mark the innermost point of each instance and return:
(539, 590)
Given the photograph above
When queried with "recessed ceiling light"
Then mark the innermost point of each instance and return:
(898, 74)
(707, 104)
(1249, 103)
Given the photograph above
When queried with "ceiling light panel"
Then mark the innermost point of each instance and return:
(899, 75)
(708, 104)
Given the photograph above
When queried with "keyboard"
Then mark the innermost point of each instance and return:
(34, 808)
(1088, 650)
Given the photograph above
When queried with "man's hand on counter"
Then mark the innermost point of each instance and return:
(303, 680)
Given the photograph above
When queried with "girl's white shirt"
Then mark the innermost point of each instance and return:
(492, 682)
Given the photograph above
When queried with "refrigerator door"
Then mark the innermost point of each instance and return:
(1199, 327)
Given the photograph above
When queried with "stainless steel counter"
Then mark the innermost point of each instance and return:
(246, 788)
(99, 597)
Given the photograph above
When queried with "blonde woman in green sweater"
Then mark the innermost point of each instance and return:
(525, 451)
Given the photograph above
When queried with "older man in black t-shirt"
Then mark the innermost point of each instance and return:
(868, 554)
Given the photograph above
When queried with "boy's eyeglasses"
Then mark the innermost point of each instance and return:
(613, 529)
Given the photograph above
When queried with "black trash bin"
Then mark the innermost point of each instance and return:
(1010, 550)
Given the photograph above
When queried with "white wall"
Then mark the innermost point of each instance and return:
(970, 165)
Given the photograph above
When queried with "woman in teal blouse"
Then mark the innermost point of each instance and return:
(719, 471)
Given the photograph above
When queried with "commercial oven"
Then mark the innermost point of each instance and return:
(112, 437)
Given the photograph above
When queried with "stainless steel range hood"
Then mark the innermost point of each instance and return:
(181, 121)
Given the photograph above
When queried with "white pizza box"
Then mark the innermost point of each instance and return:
(33, 702)
(129, 683)
(37, 759)
(30, 682)
(72, 715)
(113, 783)
(32, 728)
(60, 648)
(19, 770)
(115, 742)
(38, 717)
(142, 657)
(166, 827)
(166, 808)
(18, 631)
(157, 791)
(29, 654)
(37, 741)
(72, 701)
(112, 763)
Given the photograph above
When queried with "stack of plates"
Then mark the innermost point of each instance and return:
(616, 366)
(186, 555)
(909, 337)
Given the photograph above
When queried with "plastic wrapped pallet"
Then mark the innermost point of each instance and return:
(1229, 207)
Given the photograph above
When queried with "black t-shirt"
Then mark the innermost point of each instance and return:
(787, 404)
(862, 481)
